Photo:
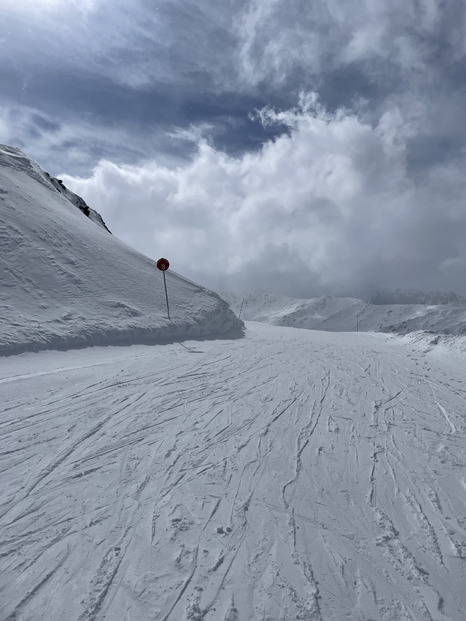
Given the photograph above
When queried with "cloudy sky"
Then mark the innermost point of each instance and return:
(300, 147)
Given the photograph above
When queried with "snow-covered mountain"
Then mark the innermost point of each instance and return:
(66, 281)
(337, 314)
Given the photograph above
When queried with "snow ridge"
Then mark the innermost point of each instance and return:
(66, 282)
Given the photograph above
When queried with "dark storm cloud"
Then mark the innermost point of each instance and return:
(190, 109)
(191, 44)
(178, 63)
(147, 71)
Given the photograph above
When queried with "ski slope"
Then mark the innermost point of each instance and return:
(288, 475)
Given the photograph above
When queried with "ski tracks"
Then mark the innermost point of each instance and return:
(289, 475)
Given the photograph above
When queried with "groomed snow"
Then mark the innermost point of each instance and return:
(288, 475)
(67, 282)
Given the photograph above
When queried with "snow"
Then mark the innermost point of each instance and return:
(286, 475)
(348, 314)
(290, 474)
(67, 282)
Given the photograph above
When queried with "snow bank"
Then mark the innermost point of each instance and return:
(67, 282)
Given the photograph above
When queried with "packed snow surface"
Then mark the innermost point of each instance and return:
(349, 314)
(288, 475)
(65, 281)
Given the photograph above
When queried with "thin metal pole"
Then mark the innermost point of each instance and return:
(241, 309)
(166, 295)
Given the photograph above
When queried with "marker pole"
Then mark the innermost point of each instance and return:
(163, 266)
(166, 294)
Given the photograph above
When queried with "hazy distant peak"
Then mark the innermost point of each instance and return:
(347, 314)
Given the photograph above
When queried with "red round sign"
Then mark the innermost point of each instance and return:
(163, 264)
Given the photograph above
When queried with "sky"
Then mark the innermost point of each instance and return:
(293, 146)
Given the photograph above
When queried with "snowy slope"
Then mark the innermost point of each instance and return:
(348, 314)
(290, 475)
(66, 281)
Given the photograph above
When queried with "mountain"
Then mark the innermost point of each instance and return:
(337, 314)
(67, 282)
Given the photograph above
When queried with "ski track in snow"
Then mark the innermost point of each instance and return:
(288, 475)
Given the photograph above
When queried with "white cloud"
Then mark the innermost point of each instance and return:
(331, 203)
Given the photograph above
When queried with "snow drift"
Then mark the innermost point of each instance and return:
(67, 282)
